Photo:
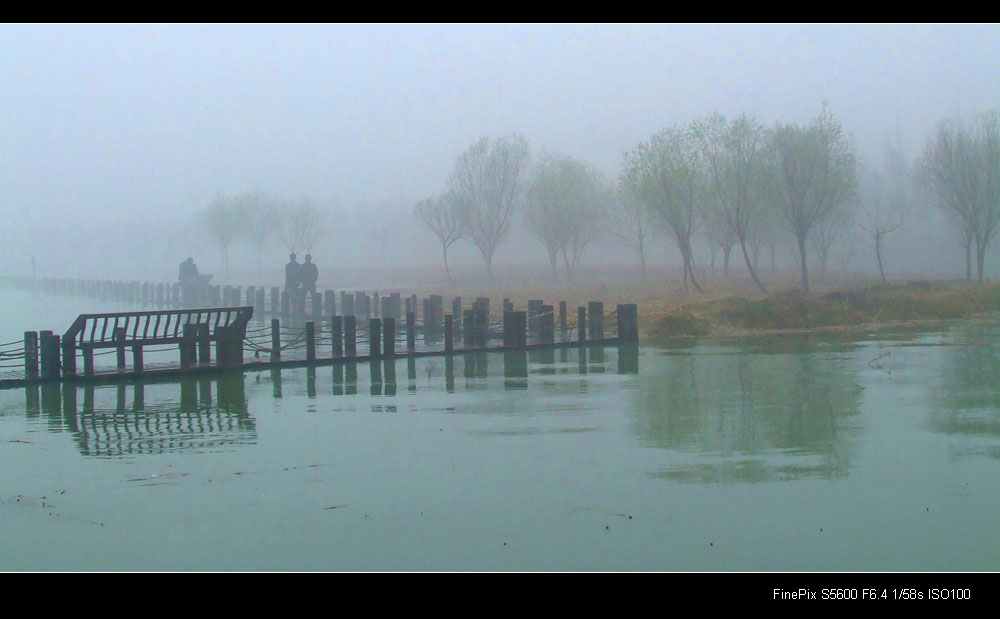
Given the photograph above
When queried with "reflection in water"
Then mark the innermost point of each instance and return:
(190, 421)
(515, 370)
(750, 417)
(968, 397)
(143, 417)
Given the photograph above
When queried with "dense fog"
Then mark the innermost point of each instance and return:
(116, 140)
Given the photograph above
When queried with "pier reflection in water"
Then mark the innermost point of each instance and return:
(116, 420)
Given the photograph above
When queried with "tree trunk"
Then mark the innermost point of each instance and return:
(968, 261)
(753, 273)
(689, 266)
(447, 270)
(980, 259)
(878, 255)
(554, 263)
(725, 259)
(642, 255)
(802, 264)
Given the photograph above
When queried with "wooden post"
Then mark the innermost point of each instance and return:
(120, 346)
(350, 336)
(534, 306)
(581, 324)
(88, 360)
(310, 341)
(468, 332)
(562, 318)
(275, 340)
(337, 335)
(137, 357)
(547, 324)
(628, 323)
(187, 346)
(595, 309)
(456, 311)
(259, 302)
(374, 338)
(508, 306)
(389, 337)
(204, 346)
(69, 357)
(329, 303)
(411, 329)
(317, 306)
(449, 333)
(30, 355)
(221, 346)
(347, 304)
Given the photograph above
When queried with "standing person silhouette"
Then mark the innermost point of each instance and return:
(293, 278)
(310, 274)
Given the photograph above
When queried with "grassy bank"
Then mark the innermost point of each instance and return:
(863, 307)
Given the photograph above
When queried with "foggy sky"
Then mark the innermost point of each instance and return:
(139, 126)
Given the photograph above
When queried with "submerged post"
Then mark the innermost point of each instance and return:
(275, 340)
(120, 345)
(411, 328)
(389, 337)
(596, 311)
(310, 341)
(374, 337)
(449, 333)
(337, 335)
(581, 324)
(204, 345)
(30, 355)
(187, 346)
(628, 322)
(467, 330)
(350, 336)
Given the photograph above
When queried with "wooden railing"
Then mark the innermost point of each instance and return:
(120, 330)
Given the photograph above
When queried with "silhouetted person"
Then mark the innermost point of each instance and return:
(190, 282)
(309, 276)
(293, 275)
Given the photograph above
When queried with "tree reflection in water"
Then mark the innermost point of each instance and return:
(739, 415)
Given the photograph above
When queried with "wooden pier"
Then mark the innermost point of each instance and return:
(314, 333)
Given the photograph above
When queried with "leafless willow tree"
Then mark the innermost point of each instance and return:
(829, 231)
(884, 198)
(816, 176)
(301, 225)
(961, 167)
(666, 173)
(564, 209)
(737, 158)
(261, 215)
(488, 183)
(224, 222)
(629, 222)
(441, 215)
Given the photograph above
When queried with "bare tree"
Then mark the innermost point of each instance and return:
(261, 216)
(442, 217)
(737, 158)
(629, 219)
(884, 199)
(487, 183)
(564, 209)
(815, 167)
(961, 167)
(225, 223)
(666, 173)
(828, 232)
(302, 224)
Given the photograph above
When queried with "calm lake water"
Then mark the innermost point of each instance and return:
(780, 454)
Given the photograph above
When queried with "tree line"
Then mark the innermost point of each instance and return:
(734, 185)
